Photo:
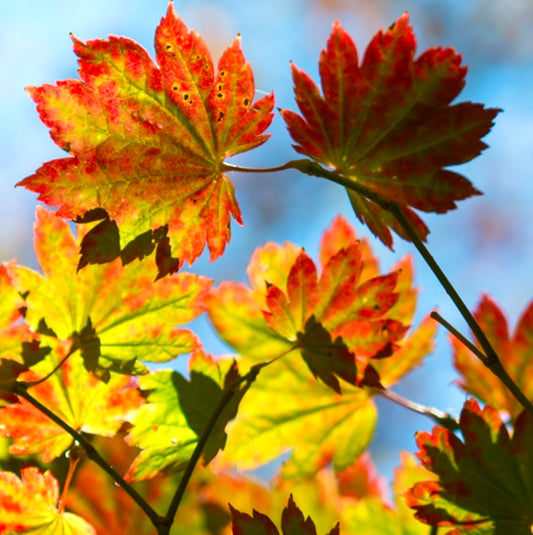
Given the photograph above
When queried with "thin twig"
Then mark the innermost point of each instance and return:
(492, 360)
(73, 348)
(442, 418)
(21, 391)
(461, 337)
(226, 397)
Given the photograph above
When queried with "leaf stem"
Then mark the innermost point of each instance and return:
(72, 463)
(491, 359)
(73, 348)
(91, 452)
(441, 418)
(461, 337)
(229, 167)
(226, 397)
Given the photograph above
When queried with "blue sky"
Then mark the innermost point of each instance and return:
(485, 246)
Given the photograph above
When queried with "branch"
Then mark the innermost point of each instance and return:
(21, 391)
(226, 397)
(491, 359)
(461, 337)
(441, 418)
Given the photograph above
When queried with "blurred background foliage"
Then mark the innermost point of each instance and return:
(485, 246)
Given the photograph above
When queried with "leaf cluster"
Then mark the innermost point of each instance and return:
(83, 398)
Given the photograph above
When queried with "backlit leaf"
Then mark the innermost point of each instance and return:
(30, 505)
(116, 313)
(387, 124)
(514, 350)
(485, 481)
(81, 400)
(168, 427)
(347, 308)
(287, 411)
(147, 142)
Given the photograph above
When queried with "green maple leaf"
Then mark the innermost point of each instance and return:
(292, 523)
(484, 482)
(387, 124)
(514, 351)
(148, 144)
(167, 429)
(115, 314)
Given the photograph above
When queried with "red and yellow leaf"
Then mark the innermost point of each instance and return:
(81, 400)
(484, 481)
(340, 319)
(118, 307)
(387, 124)
(337, 328)
(30, 505)
(148, 142)
(514, 351)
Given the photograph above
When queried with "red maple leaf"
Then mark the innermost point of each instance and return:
(387, 124)
(148, 142)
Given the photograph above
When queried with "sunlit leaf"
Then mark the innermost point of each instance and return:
(81, 400)
(387, 124)
(178, 410)
(30, 505)
(147, 143)
(116, 313)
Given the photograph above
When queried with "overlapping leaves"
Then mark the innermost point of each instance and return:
(514, 351)
(114, 314)
(345, 304)
(81, 400)
(168, 427)
(387, 124)
(148, 142)
(485, 481)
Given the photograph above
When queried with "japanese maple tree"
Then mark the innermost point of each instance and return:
(100, 440)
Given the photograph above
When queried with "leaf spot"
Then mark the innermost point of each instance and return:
(246, 101)
(220, 116)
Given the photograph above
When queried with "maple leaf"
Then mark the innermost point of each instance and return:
(81, 400)
(148, 143)
(387, 124)
(30, 505)
(292, 523)
(168, 427)
(115, 314)
(513, 350)
(348, 309)
(484, 482)
(315, 423)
